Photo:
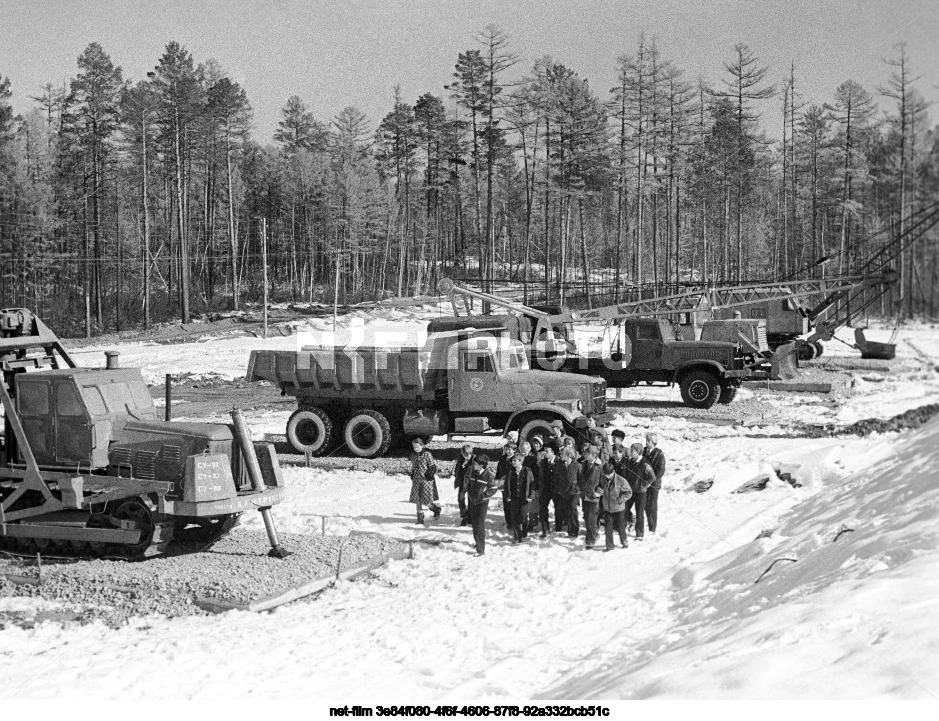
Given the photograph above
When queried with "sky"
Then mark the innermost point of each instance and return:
(334, 53)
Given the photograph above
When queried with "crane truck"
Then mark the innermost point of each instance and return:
(646, 350)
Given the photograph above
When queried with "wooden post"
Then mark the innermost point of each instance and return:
(39, 565)
(167, 413)
(308, 457)
(264, 263)
(336, 292)
(324, 525)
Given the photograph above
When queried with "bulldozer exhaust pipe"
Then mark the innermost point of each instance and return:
(257, 480)
(111, 360)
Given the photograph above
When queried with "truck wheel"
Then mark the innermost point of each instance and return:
(368, 434)
(700, 389)
(728, 393)
(539, 425)
(310, 429)
(819, 348)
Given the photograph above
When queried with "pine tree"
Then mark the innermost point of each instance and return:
(396, 144)
(92, 116)
(469, 90)
(230, 111)
(745, 85)
(182, 102)
(852, 111)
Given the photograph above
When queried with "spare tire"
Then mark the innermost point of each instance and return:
(310, 429)
(367, 434)
(700, 388)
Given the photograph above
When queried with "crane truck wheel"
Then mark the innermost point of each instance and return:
(368, 434)
(728, 393)
(819, 348)
(700, 389)
(539, 425)
(310, 429)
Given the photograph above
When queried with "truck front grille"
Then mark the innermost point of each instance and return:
(715, 354)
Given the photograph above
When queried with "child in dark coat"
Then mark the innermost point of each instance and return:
(519, 486)
(567, 490)
(502, 472)
(482, 486)
(461, 471)
(656, 459)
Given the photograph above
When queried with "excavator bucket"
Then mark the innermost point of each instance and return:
(872, 349)
(785, 362)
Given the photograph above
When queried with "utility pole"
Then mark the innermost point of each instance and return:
(264, 263)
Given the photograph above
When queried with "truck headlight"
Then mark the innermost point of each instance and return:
(580, 406)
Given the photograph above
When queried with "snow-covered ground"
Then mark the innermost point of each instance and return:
(677, 615)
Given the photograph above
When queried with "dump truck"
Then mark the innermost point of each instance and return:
(364, 399)
(88, 465)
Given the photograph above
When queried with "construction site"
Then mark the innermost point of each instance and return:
(499, 354)
(208, 490)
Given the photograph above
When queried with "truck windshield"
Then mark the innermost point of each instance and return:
(513, 358)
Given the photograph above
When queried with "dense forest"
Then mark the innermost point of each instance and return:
(125, 202)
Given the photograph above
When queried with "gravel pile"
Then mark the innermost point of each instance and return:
(236, 568)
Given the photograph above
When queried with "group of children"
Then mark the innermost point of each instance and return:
(615, 484)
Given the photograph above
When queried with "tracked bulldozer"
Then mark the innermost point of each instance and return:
(87, 466)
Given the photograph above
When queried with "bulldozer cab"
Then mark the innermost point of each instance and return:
(68, 415)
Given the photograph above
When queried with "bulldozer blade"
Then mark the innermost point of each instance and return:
(785, 362)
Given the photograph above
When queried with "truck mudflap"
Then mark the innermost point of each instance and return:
(250, 501)
(601, 419)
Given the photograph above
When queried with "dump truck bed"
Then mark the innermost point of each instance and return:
(405, 373)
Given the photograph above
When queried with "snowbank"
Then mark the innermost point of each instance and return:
(840, 601)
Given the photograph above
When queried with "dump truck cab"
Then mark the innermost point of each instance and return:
(493, 374)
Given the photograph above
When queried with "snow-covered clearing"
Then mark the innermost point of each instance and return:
(677, 615)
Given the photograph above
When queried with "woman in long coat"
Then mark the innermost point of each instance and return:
(423, 480)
